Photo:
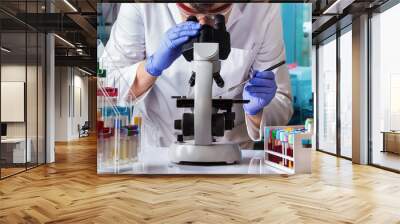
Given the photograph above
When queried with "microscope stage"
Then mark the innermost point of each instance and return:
(216, 153)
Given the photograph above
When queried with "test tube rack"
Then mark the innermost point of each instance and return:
(118, 127)
(300, 158)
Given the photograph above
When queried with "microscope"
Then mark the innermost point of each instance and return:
(209, 118)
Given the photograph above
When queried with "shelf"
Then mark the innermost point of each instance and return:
(280, 155)
(280, 167)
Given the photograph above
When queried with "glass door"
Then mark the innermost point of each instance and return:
(13, 103)
(327, 96)
(22, 77)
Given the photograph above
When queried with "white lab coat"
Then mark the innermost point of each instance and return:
(256, 40)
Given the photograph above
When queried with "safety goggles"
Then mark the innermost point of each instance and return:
(188, 11)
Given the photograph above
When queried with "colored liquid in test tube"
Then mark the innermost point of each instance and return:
(278, 144)
(133, 135)
(271, 146)
(290, 144)
(124, 146)
(280, 138)
(270, 141)
(138, 122)
(285, 147)
(107, 146)
(273, 133)
(267, 133)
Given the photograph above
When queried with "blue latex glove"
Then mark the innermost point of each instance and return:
(171, 47)
(260, 90)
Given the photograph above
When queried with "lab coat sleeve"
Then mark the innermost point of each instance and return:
(123, 52)
(272, 51)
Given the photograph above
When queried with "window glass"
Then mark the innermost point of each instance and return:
(327, 97)
(15, 150)
(346, 94)
(385, 84)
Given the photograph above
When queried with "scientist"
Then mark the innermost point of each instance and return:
(143, 59)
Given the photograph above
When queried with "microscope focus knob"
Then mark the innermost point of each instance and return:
(178, 124)
(179, 138)
(218, 80)
(192, 79)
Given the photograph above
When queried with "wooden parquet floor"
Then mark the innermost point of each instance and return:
(70, 191)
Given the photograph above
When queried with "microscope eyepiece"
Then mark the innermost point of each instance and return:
(215, 33)
(219, 22)
(192, 18)
(206, 34)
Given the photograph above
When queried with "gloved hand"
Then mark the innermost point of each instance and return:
(171, 47)
(260, 90)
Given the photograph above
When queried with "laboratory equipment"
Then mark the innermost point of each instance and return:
(118, 137)
(288, 148)
(196, 143)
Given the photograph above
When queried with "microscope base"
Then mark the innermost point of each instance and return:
(215, 153)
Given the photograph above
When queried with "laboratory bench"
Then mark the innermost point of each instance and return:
(156, 161)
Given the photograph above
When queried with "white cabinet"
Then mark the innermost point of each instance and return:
(15, 148)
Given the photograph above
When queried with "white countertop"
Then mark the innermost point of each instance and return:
(155, 161)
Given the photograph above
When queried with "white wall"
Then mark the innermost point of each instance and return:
(79, 117)
(70, 84)
(33, 126)
(12, 73)
(61, 103)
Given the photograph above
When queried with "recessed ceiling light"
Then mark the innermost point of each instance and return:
(337, 7)
(84, 71)
(64, 40)
(5, 50)
(70, 5)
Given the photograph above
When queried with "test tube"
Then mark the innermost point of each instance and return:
(291, 146)
(276, 145)
(107, 146)
(271, 145)
(285, 147)
(267, 131)
(124, 145)
(291, 143)
(133, 136)
(137, 120)
(278, 141)
(134, 146)
(100, 149)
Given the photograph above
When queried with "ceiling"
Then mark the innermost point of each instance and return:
(74, 22)
(329, 16)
